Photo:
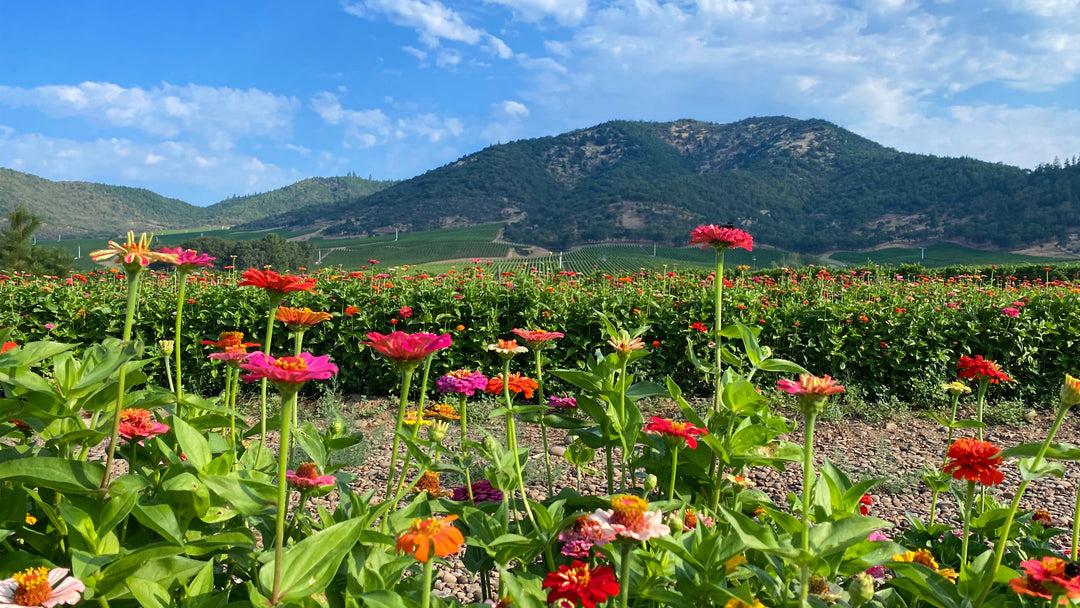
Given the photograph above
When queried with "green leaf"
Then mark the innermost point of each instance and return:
(192, 443)
(783, 366)
(308, 566)
(160, 518)
(1059, 451)
(148, 593)
(58, 474)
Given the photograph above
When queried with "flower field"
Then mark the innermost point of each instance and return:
(123, 484)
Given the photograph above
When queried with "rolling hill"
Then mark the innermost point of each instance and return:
(803, 185)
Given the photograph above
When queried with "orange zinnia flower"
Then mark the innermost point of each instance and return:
(975, 461)
(516, 383)
(300, 319)
(425, 535)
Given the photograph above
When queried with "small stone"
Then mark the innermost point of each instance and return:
(890, 426)
(557, 450)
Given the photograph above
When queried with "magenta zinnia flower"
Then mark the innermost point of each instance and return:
(288, 374)
(721, 238)
(188, 259)
(404, 350)
(462, 382)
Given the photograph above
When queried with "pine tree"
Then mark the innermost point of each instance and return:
(16, 249)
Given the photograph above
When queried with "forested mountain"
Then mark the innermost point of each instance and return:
(805, 185)
(90, 209)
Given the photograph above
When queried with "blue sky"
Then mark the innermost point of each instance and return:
(201, 100)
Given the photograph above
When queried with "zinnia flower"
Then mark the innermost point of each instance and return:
(482, 491)
(427, 534)
(977, 368)
(737, 603)
(279, 283)
(535, 338)
(300, 319)
(462, 382)
(232, 355)
(672, 430)
(1046, 578)
(406, 351)
(563, 404)
(405, 312)
(132, 255)
(229, 339)
(287, 373)
(721, 237)
(41, 587)
(1010, 311)
(580, 584)
(507, 348)
(924, 557)
(307, 476)
(811, 391)
(624, 344)
(865, 502)
(441, 411)
(975, 461)
(517, 384)
(1070, 390)
(139, 423)
(629, 517)
(429, 482)
(956, 388)
(580, 538)
(8, 346)
(188, 259)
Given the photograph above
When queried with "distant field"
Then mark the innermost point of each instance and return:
(944, 254)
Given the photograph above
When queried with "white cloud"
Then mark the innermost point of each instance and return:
(367, 128)
(415, 52)
(514, 109)
(566, 12)
(113, 160)
(433, 20)
(218, 115)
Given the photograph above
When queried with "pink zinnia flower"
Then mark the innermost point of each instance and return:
(1009, 311)
(585, 534)
(721, 238)
(810, 385)
(41, 587)
(307, 477)
(404, 350)
(405, 312)
(535, 338)
(139, 423)
(629, 517)
(462, 382)
(288, 374)
(232, 355)
(188, 259)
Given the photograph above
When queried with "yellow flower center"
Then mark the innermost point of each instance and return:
(32, 586)
(628, 510)
(292, 364)
(579, 576)
(230, 338)
(135, 417)
(679, 427)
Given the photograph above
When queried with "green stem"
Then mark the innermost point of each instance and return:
(610, 470)
(462, 399)
(298, 344)
(288, 402)
(543, 424)
(968, 499)
(182, 278)
(674, 467)
(999, 547)
(622, 415)
(133, 277)
(979, 406)
(718, 294)
(810, 418)
(511, 434)
(230, 399)
(948, 442)
(416, 427)
(169, 376)
(406, 379)
(624, 575)
(425, 597)
(1076, 526)
(275, 301)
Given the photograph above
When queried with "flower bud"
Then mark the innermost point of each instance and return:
(166, 347)
(650, 483)
(861, 589)
(337, 428)
(437, 431)
(1070, 392)
(676, 523)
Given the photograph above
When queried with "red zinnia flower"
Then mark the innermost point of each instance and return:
(721, 238)
(272, 281)
(406, 350)
(673, 430)
(405, 312)
(865, 503)
(977, 368)
(1046, 578)
(351, 310)
(581, 584)
(975, 460)
(139, 423)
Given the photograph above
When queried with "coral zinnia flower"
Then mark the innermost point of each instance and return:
(139, 423)
(41, 587)
(406, 351)
(1046, 578)
(133, 254)
(977, 368)
(300, 319)
(580, 584)
(974, 460)
(272, 281)
(287, 373)
(188, 259)
(462, 382)
(535, 338)
(229, 339)
(517, 384)
(811, 391)
(427, 534)
(629, 517)
(307, 476)
(507, 348)
(672, 430)
(721, 238)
